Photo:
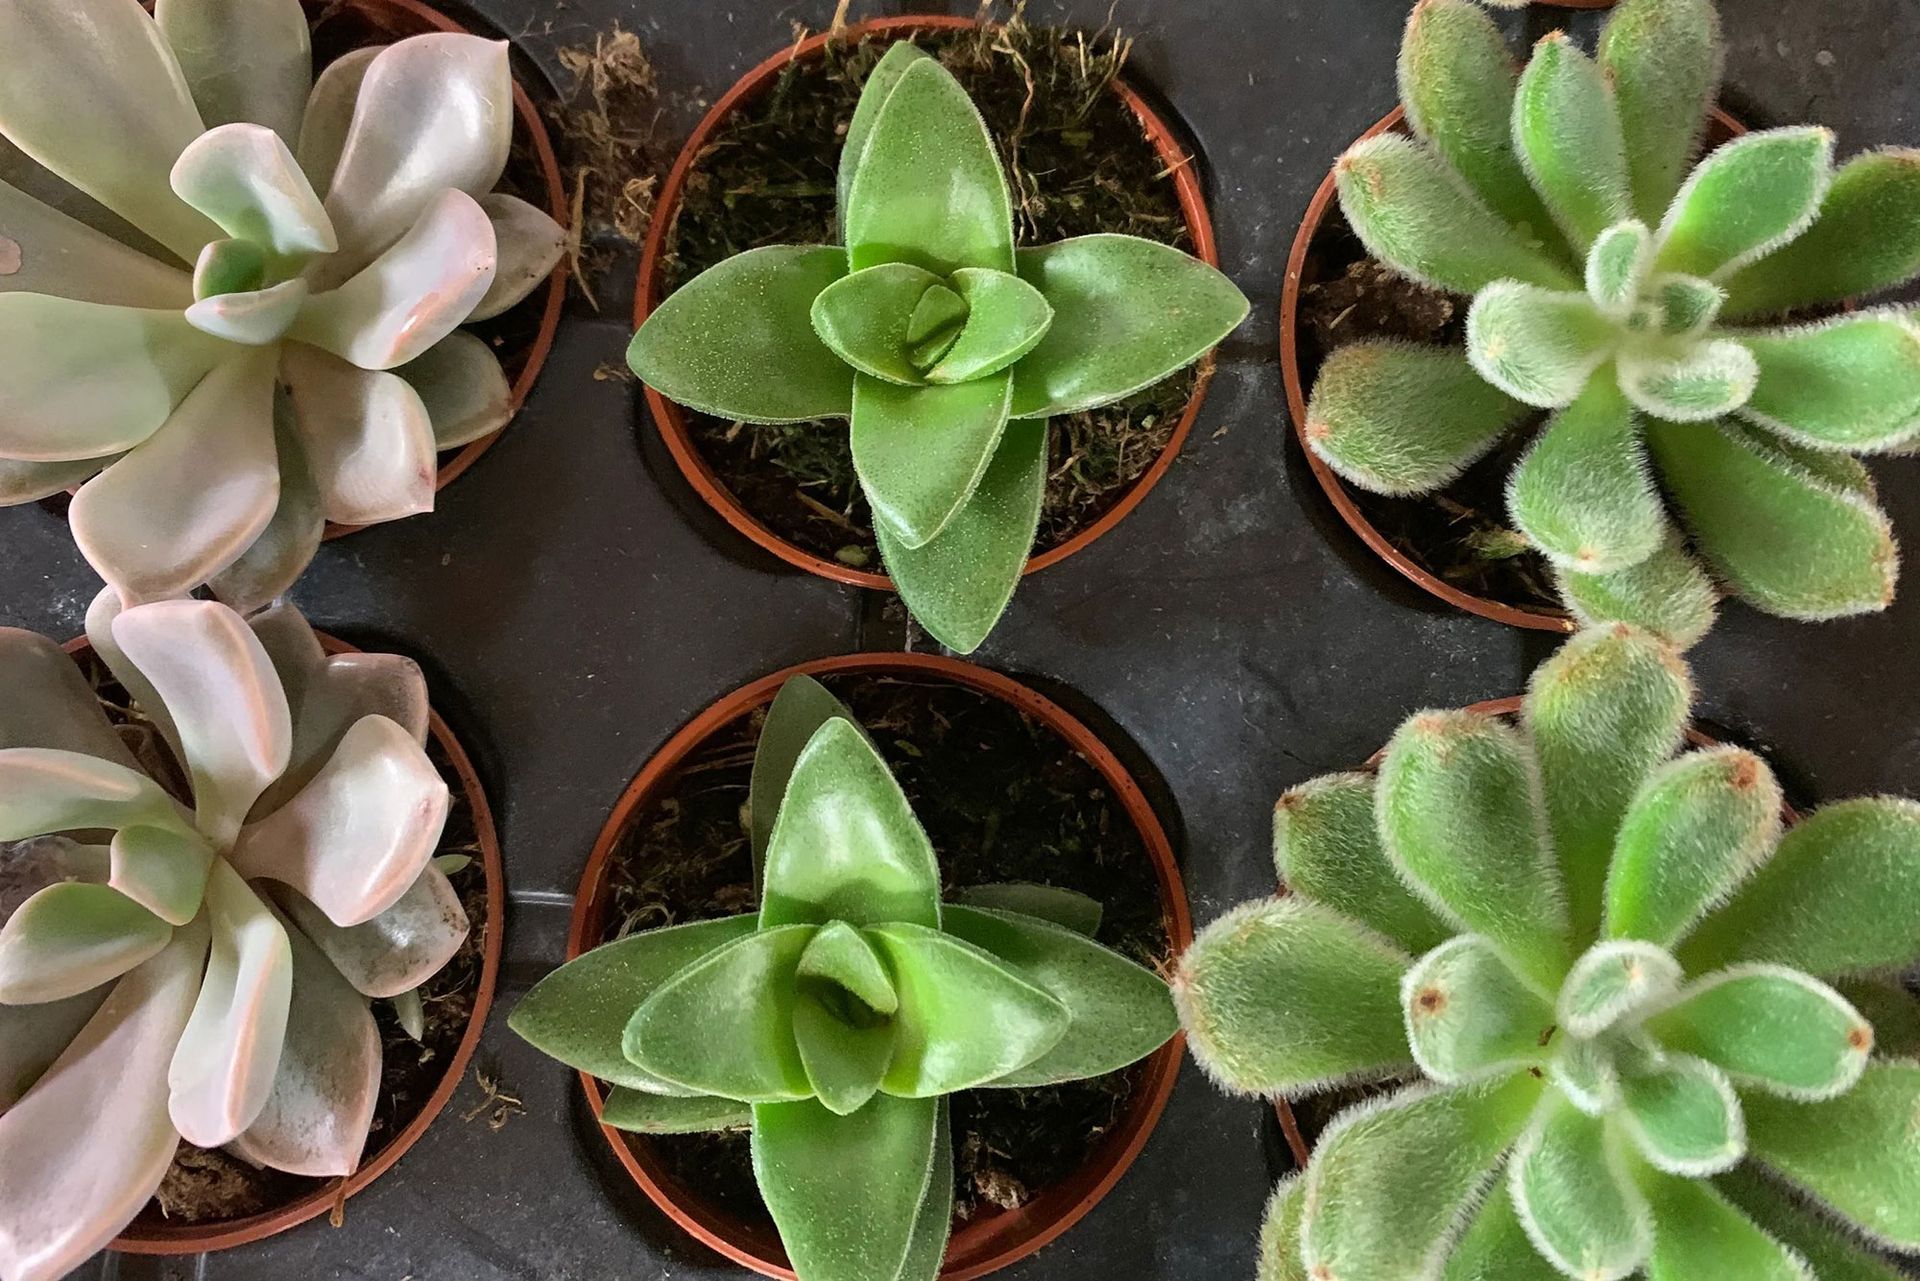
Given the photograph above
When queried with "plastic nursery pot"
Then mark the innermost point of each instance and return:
(996, 1239)
(1721, 127)
(199, 1238)
(671, 418)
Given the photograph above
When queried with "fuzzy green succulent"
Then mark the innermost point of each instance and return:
(1612, 1011)
(945, 346)
(1632, 298)
(836, 1020)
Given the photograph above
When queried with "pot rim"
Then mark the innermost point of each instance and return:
(670, 418)
(990, 1243)
(202, 1238)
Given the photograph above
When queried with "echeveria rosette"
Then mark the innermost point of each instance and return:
(835, 1021)
(1631, 299)
(1633, 1010)
(191, 932)
(235, 290)
(945, 344)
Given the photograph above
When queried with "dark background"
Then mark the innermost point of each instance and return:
(573, 604)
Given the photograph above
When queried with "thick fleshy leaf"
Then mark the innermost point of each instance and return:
(360, 833)
(1699, 1236)
(1684, 1117)
(1662, 60)
(1392, 1178)
(1280, 1232)
(1855, 1153)
(801, 707)
(223, 1072)
(244, 177)
(1687, 305)
(253, 317)
(1746, 199)
(1770, 1028)
(845, 1058)
(275, 559)
(1866, 238)
(928, 188)
(83, 380)
(1667, 594)
(1588, 1073)
(1340, 1018)
(1460, 813)
(25, 482)
(1709, 380)
(579, 1013)
(933, 1222)
(868, 319)
(1495, 1246)
(186, 502)
(1850, 383)
(922, 451)
(368, 437)
(724, 1024)
(965, 1016)
(44, 790)
(1121, 1012)
(243, 59)
(847, 1192)
(1891, 1008)
(328, 116)
(1420, 218)
(229, 267)
(1833, 1253)
(1540, 346)
(101, 616)
(52, 253)
(1583, 493)
(1469, 1016)
(72, 937)
(527, 244)
(958, 585)
(1788, 541)
(49, 704)
(462, 387)
(847, 846)
(1126, 313)
(638, 1112)
(163, 871)
(399, 949)
(1068, 909)
(334, 695)
(106, 1093)
(1006, 319)
(1618, 264)
(1614, 980)
(873, 95)
(413, 294)
(1569, 136)
(1326, 846)
(1399, 419)
(98, 99)
(33, 1036)
(1574, 1198)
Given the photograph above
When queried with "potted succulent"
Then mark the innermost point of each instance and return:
(266, 335)
(1590, 975)
(959, 1017)
(928, 319)
(199, 907)
(1678, 322)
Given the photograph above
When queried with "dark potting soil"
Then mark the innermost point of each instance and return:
(1077, 163)
(1003, 799)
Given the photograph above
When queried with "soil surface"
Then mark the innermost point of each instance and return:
(1077, 163)
(1003, 799)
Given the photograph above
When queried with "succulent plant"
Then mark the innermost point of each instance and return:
(230, 293)
(1639, 303)
(1610, 980)
(192, 922)
(944, 345)
(836, 1020)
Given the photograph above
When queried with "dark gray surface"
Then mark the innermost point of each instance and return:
(574, 606)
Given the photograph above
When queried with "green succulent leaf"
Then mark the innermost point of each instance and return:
(1326, 847)
(1865, 239)
(873, 95)
(1662, 60)
(161, 869)
(228, 267)
(1787, 540)
(1127, 313)
(1833, 1253)
(1745, 200)
(1583, 493)
(1706, 381)
(737, 341)
(1120, 1012)
(1841, 895)
(70, 938)
(1891, 1009)
(934, 327)
(1855, 1153)
(1667, 595)
(1069, 909)
(1587, 1071)
(1420, 218)
(1688, 305)
(245, 60)
(1684, 1117)
(1459, 809)
(846, 845)
(1394, 418)
(1540, 346)
(1571, 1190)
(1006, 319)
(866, 319)
(1618, 264)
(1613, 980)
(958, 585)
(244, 178)
(1700, 1236)
(921, 452)
(841, 956)
(1568, 134)
(44, 790)
(724, 1024)
(927, 1248)
(1340, 1022)
(1280, 1232)
(1849, 383)
(49, 703)
(1470, 1016)
(1699, 827)
(845, 1055)
(639, 1112)
(1495, 1246)
(927, 186)
(801, 707)
(1770, 1028)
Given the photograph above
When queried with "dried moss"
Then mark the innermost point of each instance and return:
(607, 135)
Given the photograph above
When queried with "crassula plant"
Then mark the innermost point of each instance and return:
(1608, 1011)
(945, 346)
(194, 918)
(1638, 302)
(835, 1021)
(230, 294)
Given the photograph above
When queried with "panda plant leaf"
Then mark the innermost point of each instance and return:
(1597, 993)
(1643, 308)
(234, 291)
(944, 344)
(836, 1021)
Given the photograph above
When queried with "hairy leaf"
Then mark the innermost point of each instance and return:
(1280, 1232)
(1495, 1246)
(1833, 1253)
(1865, 239)
(1583, 493)
(1770, 1028)
(1745, 200)
(1326, 846)
(1006, 319)
(1850, 383)
(1705, 381)
(873, 95)
(1684, 1117)
(1613, 980)
(1469, 1015)
(801, 707)
(1700, 1236)
(1572, 1193)
(1568, 134)
(1856, 1153)
(1662, 59)
(639, 1112)
(865, 319)
(1667, 594)
(1618, 264)
(1069, 909)
(1540, 346)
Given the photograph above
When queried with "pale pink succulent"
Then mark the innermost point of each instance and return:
(191, 952)
(230, 294)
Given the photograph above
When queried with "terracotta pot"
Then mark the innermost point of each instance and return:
(671, 419)
(1722, 127)
(986, 1244)
(199, 1238)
